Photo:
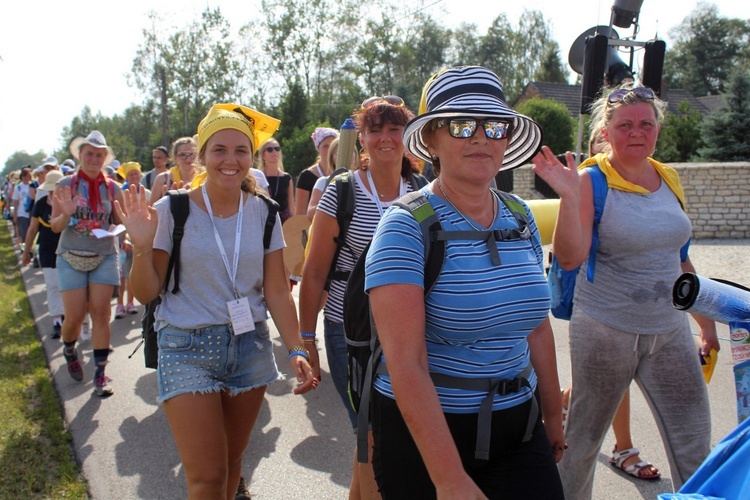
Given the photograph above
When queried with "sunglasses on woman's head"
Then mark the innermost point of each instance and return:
(463, 128)
(640, 92)
(393, 100)
(271, 149)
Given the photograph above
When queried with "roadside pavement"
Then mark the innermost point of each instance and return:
(302, 446)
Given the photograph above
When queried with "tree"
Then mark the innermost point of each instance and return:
(727, 132)
(551, 69)
(21, 159)
(299, 151)
(681, 135)
(706, 48)
(555, 120)
(150, 74)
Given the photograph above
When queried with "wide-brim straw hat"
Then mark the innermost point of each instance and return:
(53, 177)
(476, 92)
(95, 139)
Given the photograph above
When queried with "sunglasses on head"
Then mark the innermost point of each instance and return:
(640, 92)
(271, 149)
(393, 100)
(463, 128)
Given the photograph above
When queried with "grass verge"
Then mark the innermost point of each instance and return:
(36, 460)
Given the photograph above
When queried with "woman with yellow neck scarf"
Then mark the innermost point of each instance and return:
(624, 326)
(215, 353)
(180, 175)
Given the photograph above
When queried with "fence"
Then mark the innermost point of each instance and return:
(717, 194)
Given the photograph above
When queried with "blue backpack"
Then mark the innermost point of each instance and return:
(562, 283)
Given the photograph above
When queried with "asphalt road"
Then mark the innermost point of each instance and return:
(302, 446)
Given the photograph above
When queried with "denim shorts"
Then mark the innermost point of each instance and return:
(106, 273)
(213, 359)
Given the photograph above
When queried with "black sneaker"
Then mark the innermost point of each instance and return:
(242, 492)
(36, 262)
(56, 331)
(74, 366)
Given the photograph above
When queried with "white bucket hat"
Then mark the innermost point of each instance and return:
(473, 91)
(50, 160)
(95, 139)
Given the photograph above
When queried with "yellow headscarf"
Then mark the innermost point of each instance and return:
(127, 167)
(615, 180)
(255, 125)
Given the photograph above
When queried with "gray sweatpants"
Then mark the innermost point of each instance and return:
(667, 370)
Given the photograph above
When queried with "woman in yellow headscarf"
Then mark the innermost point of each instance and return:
(215, 353)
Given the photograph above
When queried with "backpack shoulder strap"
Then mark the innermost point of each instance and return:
(338, 171)
(179, 205)
(420, 208)
(273, 209)
(599, 189)
(515, 206)
(345, 197)
(418, 181)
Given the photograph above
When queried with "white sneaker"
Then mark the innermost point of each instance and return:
(85, 332)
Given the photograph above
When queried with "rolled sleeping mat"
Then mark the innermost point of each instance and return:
(545, 215)
(719, 300)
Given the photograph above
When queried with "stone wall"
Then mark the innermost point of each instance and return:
(717, 194)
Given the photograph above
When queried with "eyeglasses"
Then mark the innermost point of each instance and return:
(185, 156)
(463, 128)
(393, 100)
(271, 149)
(640, 92)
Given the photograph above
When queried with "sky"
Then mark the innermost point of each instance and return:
(57, 57)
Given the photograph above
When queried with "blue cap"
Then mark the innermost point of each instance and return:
(348, 125)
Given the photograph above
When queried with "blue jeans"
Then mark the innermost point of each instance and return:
(338, 364)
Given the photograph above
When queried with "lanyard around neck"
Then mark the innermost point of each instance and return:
(401, 191)
(231, 271)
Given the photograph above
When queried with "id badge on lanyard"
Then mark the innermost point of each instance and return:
(239, 309)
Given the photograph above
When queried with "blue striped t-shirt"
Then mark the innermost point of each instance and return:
(477, 315)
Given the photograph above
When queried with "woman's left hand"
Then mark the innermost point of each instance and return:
(304, 374)
(709, 338)
(558, 447)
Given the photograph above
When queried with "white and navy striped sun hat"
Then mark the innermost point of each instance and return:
(472, 91)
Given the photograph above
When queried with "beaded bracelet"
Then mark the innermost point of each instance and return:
(298, 350)
(307, 335)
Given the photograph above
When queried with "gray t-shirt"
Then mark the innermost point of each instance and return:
(77, 234)
(205, 286)
(638, 261)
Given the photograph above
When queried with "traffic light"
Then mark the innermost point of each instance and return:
(653, 61)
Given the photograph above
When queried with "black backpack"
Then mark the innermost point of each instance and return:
(345, 199)
(179, 205)
(363, 347)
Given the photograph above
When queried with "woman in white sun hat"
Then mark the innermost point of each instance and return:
(87, 266)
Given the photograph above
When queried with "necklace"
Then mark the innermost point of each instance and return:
(494, 208)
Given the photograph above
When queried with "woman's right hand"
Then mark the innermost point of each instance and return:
(564, 180)
(138, 217)
(63, 198)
